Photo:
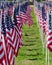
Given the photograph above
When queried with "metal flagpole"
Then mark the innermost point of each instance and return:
(46, 46)
(48, 53)
(42, 36)
(48, 58)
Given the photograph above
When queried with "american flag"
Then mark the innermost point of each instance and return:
(3, 54)
(25, 14)
(28, 13)
(18, 28)
(46, 7)
(27, 7)
(22, 12)
(48, 26)
(44, 18)
(3, 51)
(10, 37)
(49, 33)
(39, 15)
(38, 12)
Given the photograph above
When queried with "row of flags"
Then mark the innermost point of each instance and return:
(13, 16)
(43, 12)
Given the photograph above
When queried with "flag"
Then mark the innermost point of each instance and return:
(39, 15)
(10, 37)
(26, 18)
(18, 28)
(38, 12)
(27, 7)
(3, 56)
(44, 18)
(49, 33)
(28, 13)
(3, 41)
(22, 12)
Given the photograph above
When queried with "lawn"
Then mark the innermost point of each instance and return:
(31, 52)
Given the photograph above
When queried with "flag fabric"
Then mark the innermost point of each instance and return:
(28, 11)
(3, 38)
(18, 28)
(44, 18)
(10, 36)
(49, 34)
(3, 55)
(38, 12)
(49, 26)
(24, 14)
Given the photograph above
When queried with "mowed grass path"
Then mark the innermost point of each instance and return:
(31, 52)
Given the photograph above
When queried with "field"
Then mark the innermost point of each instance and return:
(31, 52)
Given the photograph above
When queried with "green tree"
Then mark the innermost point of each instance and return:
(40, 0)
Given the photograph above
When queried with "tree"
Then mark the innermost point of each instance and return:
(40, 0)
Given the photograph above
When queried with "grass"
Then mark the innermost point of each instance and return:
(31, 52)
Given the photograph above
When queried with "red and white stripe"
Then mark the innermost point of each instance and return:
(11, 42)
(2, 54)
(18, 29)
(49, 40)
(19, 40)
(39, 15)
(3, 51)
(23, 15)
(26, 18)
(11, 55)
(42, 23)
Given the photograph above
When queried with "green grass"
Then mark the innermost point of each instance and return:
(31, 52)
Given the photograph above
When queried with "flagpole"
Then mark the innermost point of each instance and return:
(46, 47)
(48, 56)
(42, 36)
(47, 51)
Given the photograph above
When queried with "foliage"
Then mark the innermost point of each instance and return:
(40, 0)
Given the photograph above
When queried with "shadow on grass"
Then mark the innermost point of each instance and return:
(31, 40)
(27, 34)
(28, 44)
(32, 59)
(32, 55)
(28, 55)
(37, 54)
(32, 49)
